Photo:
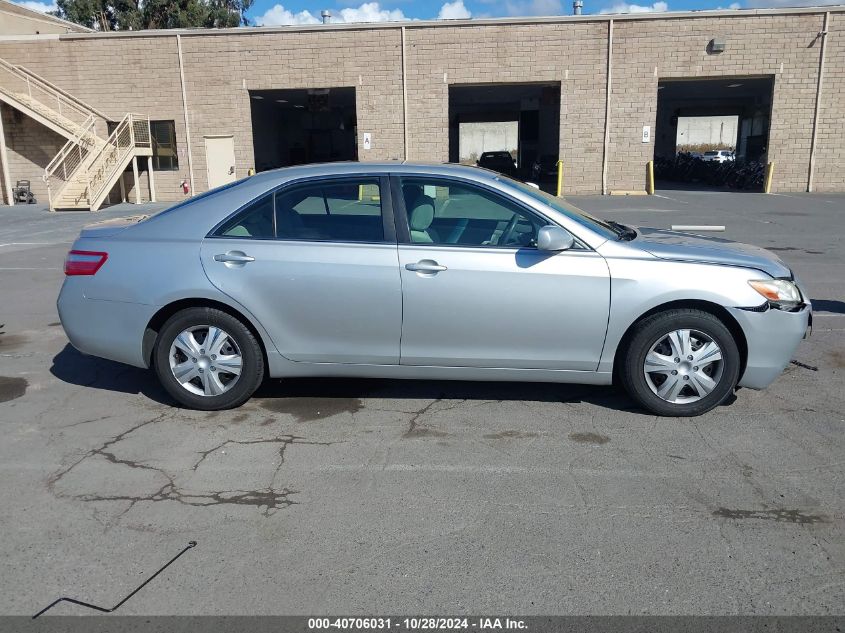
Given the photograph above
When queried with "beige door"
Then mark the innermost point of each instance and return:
(220, 160)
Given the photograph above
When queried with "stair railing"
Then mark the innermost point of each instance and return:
(70, 158)
(17, 83)
(132, 132)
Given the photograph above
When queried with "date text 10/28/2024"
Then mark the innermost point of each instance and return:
(417, 624)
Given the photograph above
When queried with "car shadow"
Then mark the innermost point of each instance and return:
(829, 305)
(327, 389)
(73, 367)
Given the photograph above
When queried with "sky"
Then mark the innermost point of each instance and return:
(274, 12)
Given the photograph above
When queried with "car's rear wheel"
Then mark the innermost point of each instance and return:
(681, 363)
(207, 359)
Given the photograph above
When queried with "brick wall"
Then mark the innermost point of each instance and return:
(830, 139)
(777, 46)
(220, 71)
(141, 74)
(116, 76)
(572, 54)
(30, 147)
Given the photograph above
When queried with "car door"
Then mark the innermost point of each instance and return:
(316, 263)
(478, 293)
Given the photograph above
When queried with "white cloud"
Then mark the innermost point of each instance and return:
(41, 7)
(533, 7)
(764, 4)
(277, 15)
(624, 7)
(454, 11)
(369, 12)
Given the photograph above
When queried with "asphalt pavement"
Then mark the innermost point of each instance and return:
(377, 496)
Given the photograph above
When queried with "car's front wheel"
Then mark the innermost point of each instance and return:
(207, 359)
(681, 363)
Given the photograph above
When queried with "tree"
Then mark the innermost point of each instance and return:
(130, 15)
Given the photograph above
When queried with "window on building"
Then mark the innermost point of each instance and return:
(164, 145)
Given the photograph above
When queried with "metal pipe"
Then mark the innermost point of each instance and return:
(404, 97)
(812, 167)
(185, 111)
(607, 108)
(326, 15)
(577, 5)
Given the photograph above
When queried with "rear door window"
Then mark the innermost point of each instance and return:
(338, 211)
(345, 210)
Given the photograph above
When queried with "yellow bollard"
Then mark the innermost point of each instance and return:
(767, 184)
(559, 178)
(650, 178)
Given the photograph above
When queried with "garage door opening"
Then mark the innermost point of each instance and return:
(296, 126)
(712, 133)
(510, 128)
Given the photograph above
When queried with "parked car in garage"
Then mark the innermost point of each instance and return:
(449, 272)
(501, 162)
(718, 156)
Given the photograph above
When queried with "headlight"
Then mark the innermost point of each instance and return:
(781, 294)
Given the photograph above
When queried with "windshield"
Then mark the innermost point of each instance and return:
(569, 210)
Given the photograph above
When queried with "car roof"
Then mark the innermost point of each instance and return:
(284, 174)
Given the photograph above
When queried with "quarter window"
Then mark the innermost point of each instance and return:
(255, 221)
(451, 213)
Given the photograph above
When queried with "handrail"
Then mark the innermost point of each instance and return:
(108, 159)
(39, 91)
(74, 98)
(87, 129)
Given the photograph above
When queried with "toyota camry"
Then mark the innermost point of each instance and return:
(421, 271)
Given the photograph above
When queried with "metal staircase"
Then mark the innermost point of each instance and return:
(92, 160)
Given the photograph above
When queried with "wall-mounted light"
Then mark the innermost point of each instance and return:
(734, 85)
(716, 45)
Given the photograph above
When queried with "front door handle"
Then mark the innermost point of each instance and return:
(233, 257)
(425, 266)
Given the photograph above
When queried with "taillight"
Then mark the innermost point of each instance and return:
(84, 262)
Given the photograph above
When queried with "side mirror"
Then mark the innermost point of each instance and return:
(554, 238)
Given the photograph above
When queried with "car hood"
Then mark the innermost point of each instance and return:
(107, 228)
(715, 250)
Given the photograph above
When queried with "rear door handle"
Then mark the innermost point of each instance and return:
(425, 266)
(233, 257)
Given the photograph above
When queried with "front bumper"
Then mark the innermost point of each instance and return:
(772, 337)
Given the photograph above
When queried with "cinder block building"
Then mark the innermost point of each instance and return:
(156, 113)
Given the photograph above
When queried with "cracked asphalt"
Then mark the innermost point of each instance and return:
(380, 497)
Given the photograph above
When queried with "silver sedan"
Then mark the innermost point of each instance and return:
(430, 272)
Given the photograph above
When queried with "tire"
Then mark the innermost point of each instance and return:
(698, 384)
(209, 381)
